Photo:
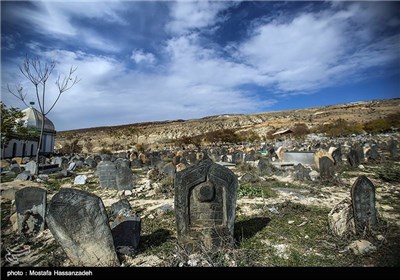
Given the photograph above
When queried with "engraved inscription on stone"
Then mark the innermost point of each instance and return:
(205, 202)
(363, 199)
(79, 223)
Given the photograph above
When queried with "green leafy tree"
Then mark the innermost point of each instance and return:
(9, 124)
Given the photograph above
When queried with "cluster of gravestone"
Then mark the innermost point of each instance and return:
(205, 203)
(79, 223)
(357, 214)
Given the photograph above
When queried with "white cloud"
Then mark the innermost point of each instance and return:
(139, 56)
(315, 50)
(187, 16)
(61, 20)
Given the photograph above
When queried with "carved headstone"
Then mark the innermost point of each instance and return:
(31, 209)
(106, 171)
(79, 223)
(205, 202)
(326, 168)
(363, 199)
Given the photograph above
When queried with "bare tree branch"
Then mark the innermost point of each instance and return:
(18, 93)
(38, 74)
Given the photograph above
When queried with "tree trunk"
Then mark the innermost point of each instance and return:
(39, 144)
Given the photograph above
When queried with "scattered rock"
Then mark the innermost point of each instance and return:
(361, 247)
(80, 180)
(340, 218)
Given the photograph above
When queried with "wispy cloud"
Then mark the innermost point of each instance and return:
(188, 16)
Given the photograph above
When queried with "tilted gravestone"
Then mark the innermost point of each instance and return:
(106, 171)
(353, 158)
(326, 168)
(79, 223)
(363, 200)
(205, 202)
(31, 209)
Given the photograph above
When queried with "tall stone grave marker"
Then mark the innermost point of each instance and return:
(31, 208)
(205, 202)
(363, 200)
(106, 171)
(79, 223)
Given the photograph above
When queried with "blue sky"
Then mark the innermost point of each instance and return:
(164, 60)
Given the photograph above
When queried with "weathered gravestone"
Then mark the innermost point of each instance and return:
(249, 178)
(302, 173)
(25, 175)
(90, 162)
(353, 158)
(126, 232)
(250, 156)
(337, 155)
(31, 209)
(326, 168)
(106, 171)
(267, 168)
(372, 153)
(31, 167)
(124, 177)
(363, 200)
(169, 169)
(205, 202)
(119, 205)
(237, 157)
(136, 163)
(79, 223)
(392, 147)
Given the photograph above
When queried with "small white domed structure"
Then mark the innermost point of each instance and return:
(28, 148)
(33, 118)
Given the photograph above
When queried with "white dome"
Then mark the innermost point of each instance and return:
(33, 118)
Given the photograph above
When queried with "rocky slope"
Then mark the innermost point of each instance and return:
(167, 131)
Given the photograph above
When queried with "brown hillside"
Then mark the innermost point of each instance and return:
(165, 132)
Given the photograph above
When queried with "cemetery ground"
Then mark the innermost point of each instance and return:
(279, 221)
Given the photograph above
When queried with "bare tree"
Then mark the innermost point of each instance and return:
(38, 74)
